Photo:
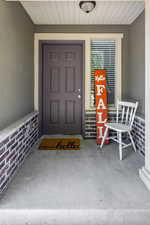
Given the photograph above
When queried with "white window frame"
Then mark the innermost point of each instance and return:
(87, 37)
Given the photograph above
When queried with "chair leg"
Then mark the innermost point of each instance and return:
(118, 135)
(131, 138)
(104, 137)
(120, 145)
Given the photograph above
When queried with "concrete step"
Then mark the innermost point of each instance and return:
(75, 217)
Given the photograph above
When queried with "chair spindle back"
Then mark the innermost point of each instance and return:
(126, 112)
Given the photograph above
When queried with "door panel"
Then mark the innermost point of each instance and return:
(70, 79)
(62, 83)
(54, 112)
(70, 112)
(54, 80)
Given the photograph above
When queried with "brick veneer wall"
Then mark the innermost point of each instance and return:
(138, 131)
(15, 144)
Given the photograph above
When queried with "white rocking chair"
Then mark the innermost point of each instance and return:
(124, 121)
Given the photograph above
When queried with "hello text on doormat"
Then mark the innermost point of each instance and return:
(60, 144)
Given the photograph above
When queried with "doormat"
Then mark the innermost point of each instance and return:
(60, 144)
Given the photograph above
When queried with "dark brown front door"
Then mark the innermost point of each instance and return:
(62, 83)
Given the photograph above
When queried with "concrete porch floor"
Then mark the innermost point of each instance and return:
(85, 179)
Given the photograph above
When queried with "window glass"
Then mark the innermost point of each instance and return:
(103, 57)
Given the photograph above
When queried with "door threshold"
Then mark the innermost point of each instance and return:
(62, 136)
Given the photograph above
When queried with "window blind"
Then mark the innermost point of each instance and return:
(103, 57)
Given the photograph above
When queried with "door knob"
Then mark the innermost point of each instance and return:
(79, 96)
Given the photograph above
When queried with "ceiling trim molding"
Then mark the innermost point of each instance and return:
(73, 0)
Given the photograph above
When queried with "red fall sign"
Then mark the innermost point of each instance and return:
(101, 103)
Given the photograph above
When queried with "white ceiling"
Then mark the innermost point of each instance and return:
(68, 12)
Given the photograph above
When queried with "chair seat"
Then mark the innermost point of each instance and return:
(118, 127)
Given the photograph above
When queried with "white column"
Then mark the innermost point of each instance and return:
(145, 171)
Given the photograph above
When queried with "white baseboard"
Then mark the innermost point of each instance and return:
(145, 177)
